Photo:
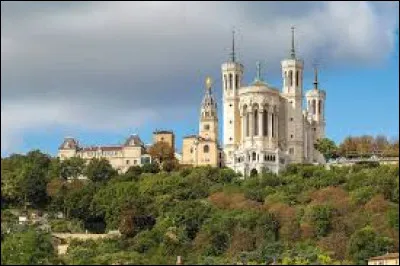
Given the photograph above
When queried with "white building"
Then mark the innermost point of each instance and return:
(265, 128)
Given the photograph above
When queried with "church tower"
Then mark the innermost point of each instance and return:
(292, 73)
(232, 75)
(208, 128)
(316, 108)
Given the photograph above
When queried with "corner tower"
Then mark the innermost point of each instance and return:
(292, 74)
(232, 75)
(316, 108)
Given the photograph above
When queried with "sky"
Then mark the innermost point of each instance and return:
(100, 71)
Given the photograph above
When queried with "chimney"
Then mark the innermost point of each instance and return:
(179, 260)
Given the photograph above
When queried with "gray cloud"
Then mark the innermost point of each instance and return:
(138, 56)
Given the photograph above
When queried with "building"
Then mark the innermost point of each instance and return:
(263, 128)
(387, 259)
(121, 157)
(164, 136)
(203, 149)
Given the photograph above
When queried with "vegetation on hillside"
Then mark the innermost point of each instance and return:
(305, 215)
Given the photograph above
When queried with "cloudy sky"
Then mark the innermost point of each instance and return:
(100, 71)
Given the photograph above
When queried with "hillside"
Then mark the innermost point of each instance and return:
(305, 215)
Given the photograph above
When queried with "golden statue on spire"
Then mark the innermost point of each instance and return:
(208, 83)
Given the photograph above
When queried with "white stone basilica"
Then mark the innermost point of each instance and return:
(265, 128)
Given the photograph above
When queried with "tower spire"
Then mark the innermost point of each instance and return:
(315, 77)
(233, 46)
(292, 52)
(258, 64)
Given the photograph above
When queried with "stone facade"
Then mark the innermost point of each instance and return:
(164, 136)
(121, 157)
(265, 128)
(203, 149)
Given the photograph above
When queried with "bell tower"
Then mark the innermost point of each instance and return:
(292, 74)
(232, 75)
(208, 128)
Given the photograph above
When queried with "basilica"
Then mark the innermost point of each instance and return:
(264, 128)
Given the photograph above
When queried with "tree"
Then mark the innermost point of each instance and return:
(161, 151)
(152, 167)
(99, 170)
(27, 248)
(327, 148)
(72, 167)
(366, 243)
(134, 172)
(170, 165)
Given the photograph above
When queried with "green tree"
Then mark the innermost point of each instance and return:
(366, 243)
(99, 170)
(27, 248)
(72, 167)
(152, 167)
(327, 148)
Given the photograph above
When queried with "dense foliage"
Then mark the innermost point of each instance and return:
(305, 215)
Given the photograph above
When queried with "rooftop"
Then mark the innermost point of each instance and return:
(386, 256)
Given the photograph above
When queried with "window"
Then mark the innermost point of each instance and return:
(206, 149)
(291, 136)
(315, 129)
(254, 156)
(134, 162)
(162, 138)
(265, 157)
(247, 124)
(191, 150)
(225, 82)
(319, 107)
(265, 123)
(291, 119)
(255, 122)
(206, 127)
(230, 105)
(291, 151)
(237, 85)
(230, 121)
(297, 78)
(291, 78)
(127, 161)
(273, 126)
(258, 158)
(230, 139)
(230, 81)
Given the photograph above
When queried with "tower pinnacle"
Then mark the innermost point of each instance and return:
(315, 77)
(258, 78)
(233, 46)
(292, 52)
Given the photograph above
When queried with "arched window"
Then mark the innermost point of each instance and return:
(230, 81)
(254, 156)
(265, 123)
(273, 127)
(247, 124)
(265, 157)
(225, 82)
(314, 107)
(191, 150)
(237, 84)
(206, 149)
(319, 107)
(291, 77)
(297, 78)
(255, 123)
